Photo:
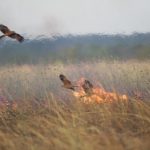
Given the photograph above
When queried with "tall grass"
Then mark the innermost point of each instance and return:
(49, 117)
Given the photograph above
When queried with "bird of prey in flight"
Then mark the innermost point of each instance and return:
(87, 87)
(12, 34)
(66, 82)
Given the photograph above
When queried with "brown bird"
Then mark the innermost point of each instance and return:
(66, 82)
(7, 32)
(88, 87)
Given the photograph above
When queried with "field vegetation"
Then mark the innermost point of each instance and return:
(36, 112)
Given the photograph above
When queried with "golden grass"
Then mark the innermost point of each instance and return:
(98, 96)
(50, 117)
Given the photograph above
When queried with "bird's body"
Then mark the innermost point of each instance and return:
(12, 34)
(87, 87)
(66, 82)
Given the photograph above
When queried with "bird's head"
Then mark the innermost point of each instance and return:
(62, 77)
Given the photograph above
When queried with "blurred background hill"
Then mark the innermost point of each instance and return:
(77, 48)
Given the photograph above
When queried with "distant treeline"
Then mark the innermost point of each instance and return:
(75, 48)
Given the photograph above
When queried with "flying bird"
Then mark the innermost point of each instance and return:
(66, 82)
(12, 34)
(87, 87)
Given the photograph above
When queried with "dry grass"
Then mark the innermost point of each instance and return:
(49, 117)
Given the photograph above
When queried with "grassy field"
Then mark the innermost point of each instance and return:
(48, 116)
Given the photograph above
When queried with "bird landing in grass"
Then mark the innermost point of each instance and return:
(67, 83)
(12, 34)
(87, 87)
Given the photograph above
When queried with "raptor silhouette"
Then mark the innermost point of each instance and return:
(87, 87)
(12, 34)
(66, 82)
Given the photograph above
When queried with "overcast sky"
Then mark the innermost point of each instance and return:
(46, 17)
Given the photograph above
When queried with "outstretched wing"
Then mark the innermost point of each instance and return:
(4, 29)
(17, 36)
(7, 32)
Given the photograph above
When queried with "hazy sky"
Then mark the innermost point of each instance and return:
(45, 17)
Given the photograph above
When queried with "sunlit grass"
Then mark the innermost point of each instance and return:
(50, 117)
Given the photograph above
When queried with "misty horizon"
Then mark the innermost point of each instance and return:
(49, 17)
(28, 36)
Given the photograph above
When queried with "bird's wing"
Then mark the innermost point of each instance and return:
(90, 84)
(67, 82)
(88, 87)
(17, 37)
(4, 29)
(2, 36)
